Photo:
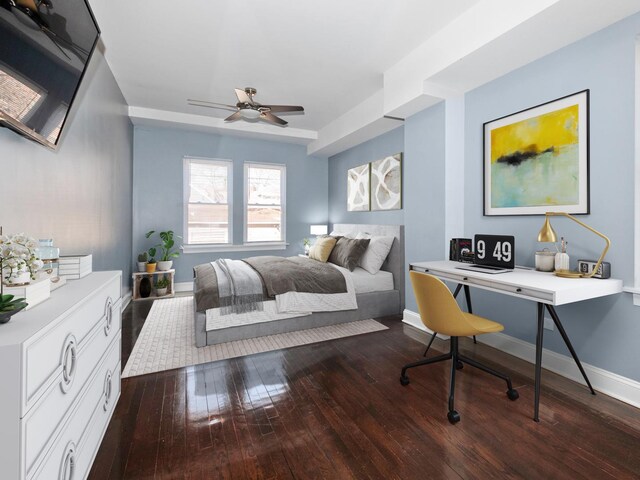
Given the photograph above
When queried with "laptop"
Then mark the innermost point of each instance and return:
(493, 254)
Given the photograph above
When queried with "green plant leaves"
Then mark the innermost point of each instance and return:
(8, 303)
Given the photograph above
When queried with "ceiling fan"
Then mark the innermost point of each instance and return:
(247, 108)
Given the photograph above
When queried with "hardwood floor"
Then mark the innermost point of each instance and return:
(336, 410)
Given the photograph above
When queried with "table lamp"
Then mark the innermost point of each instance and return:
(318, 230)
(547, 234)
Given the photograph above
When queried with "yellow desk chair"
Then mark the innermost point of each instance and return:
(440, 312)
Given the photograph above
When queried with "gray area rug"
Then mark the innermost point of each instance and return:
(167, 339)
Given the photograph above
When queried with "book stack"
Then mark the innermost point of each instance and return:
(73, 267)
(34, 293)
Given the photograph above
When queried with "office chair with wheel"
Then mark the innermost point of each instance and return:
(440, 313)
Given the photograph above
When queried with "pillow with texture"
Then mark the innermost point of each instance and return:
(322, 248)
(348, 252)
(376, 253)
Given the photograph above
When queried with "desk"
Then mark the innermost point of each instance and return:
(545, 289)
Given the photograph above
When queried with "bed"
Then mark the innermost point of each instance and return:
(376, 296)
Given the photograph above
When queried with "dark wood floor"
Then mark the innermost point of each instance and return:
(336, 410)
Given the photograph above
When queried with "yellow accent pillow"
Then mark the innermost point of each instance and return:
(322, 248)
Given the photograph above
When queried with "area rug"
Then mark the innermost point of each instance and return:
(167, 339)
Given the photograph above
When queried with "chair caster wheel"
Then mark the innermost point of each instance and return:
(404, 380)
(459, 365)
(453, 416)
(513, 394)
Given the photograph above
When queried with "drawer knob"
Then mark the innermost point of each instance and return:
(108, 316)
(518, 290)
(108, 388)
(68, 466)
(465, 278)
(69, 363)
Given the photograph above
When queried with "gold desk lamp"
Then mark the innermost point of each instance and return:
(547, 234)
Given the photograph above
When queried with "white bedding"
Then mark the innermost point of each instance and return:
(365, 282)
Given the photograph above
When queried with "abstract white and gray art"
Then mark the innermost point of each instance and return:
(358, 189)
(386, 183)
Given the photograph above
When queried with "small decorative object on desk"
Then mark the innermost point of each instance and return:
(50, 257)
(307, 245)
(545, 260)
(73, 267)
(562, 257)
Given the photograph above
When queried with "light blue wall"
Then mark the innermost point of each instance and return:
(604, 331)
(374, 149)
(157, 200)
(424, 189)
(81, 194)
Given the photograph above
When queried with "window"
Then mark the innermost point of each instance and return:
(264, 186)
(207, 201)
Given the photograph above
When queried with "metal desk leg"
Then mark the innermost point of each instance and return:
(536, 402)
(567, 342)
(467, 296)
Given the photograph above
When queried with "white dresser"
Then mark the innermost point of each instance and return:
(60, 377)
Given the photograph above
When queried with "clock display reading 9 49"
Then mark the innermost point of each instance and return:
(495, 250)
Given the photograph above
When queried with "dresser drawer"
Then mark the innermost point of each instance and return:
(42, 421)
(54, 354)
(71, 453)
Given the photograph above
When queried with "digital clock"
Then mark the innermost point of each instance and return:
(495, 250)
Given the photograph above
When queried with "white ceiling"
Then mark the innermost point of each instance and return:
(348, 63)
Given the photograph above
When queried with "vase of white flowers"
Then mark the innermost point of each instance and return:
(18, 260)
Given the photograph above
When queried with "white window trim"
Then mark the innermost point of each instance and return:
(283, 204)
(191, 248)
(227, 247)
(635, 290)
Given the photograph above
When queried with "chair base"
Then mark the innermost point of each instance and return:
(457, 361)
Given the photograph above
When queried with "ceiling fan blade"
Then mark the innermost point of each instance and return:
(284, 108)
(233, 117)
(269, 117)
(243, 97)
(204, 103)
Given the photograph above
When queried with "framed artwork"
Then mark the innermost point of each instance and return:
(386, 183)
(537, 160)
(358, 189)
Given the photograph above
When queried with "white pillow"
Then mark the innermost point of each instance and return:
(376, 253)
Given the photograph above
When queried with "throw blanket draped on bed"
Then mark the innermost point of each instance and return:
(279, 275)
(239, 287)
(297, 274)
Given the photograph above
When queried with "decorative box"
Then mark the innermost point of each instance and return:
(73, 267)
(34, 293)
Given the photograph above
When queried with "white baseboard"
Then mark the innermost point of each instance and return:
(126, 298)
(183, 287)
(609, 383)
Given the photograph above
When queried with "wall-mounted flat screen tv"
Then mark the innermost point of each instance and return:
(45, 47)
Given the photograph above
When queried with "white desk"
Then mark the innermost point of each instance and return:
(544, 288)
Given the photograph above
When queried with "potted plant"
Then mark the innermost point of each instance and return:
(161, 286)
(151, 264)
(9, 306)
(142, 262)
(18, 259)
(307, 245)
(167, 249)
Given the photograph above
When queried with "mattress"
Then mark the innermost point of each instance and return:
(365, 282)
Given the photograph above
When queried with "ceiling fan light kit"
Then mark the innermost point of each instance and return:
(248, 109)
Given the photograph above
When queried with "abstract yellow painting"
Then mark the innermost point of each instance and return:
(536, 160)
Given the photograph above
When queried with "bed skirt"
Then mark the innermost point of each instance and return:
(370, 305)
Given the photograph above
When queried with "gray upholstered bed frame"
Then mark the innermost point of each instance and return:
(370, 305)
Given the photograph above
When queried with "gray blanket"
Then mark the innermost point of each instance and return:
(278, 274)
(239, 287)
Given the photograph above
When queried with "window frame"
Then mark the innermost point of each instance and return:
(283, 202)
(186, 190)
